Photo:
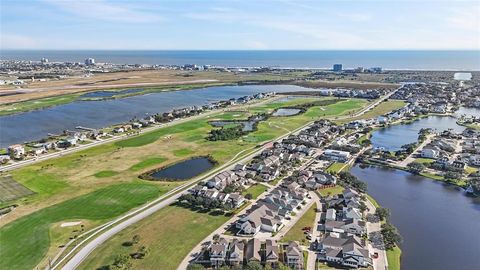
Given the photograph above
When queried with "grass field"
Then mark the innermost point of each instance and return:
(147, 163)
(12, 190)
(331, 191)
(26, 240)
(107, 173)
(335, 167)
(255, 190)
(393, 258)
(424, 160)
(6, 109)
(296, 233)
(171, 234)
(381, 109)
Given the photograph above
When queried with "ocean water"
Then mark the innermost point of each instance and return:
(432, 60)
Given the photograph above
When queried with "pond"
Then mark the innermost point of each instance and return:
(438, 222)
(286, 112)
(248, 125)
(183, 170)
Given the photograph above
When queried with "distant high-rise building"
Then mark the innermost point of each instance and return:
(44, 60)
(376, 69)
(337, 67)
(89, 61)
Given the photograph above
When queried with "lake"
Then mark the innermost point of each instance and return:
(34, 125)
(184, 170)
(440, 225)
(393, 137)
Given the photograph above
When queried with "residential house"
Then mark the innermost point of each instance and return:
(218, 253)
(294, 255)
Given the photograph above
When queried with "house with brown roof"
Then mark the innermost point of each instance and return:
(253, 250)
(294, 255)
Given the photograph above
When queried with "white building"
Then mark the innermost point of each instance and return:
(336, 155)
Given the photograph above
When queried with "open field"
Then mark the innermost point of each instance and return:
(11, 190)
(425, 161)
(296, 233)
(82, 174)
(255, 190)
(147, 163)
(381, 109)
(170, 234)
(393, 257)
(26, 240)
(335, 167)
(331, 191)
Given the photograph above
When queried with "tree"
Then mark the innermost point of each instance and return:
(248, 196)
(121, 262)
(136, 239)
(452, 176)
(382, 213)
(390, 234)
(282, 266)
(253, 266)
(415, 167)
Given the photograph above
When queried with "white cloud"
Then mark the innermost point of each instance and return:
(14, 41)
(102, 10)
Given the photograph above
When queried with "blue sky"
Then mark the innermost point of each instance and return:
(232, 24)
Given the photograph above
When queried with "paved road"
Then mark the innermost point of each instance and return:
(381, 262)
(410, 157)
(160, 203)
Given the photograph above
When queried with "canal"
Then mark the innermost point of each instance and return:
(439, 224)
(34, 125)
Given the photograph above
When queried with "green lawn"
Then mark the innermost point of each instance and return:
(183, 152)
(381, 109)
(147, 163)
(107, 173)
(295, 233)
(255, 190)
(26, 240)
(171, 234)
(331, 191)
(373, 201)
(424, 160)
(393, 257)
(335, 167)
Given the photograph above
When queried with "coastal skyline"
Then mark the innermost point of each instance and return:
(235, 25)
